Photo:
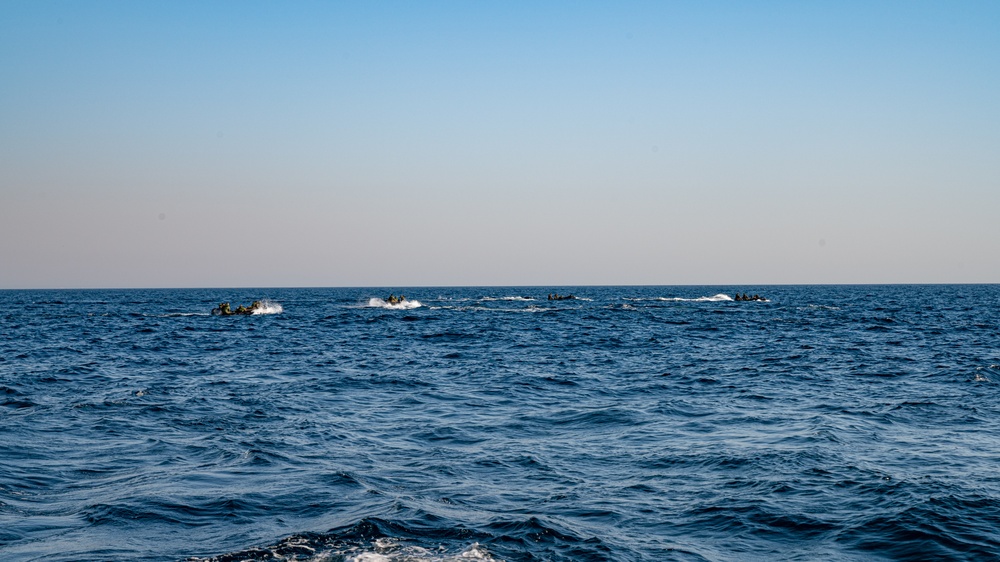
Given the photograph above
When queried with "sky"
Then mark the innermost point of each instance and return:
(401, 144)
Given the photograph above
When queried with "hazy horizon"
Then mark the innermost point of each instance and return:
(737, 287)
(393, 144)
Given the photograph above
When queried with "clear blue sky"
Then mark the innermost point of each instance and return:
(251, 144)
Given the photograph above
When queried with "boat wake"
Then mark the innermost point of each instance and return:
(717, 298)
(179, 314)
(268, 307)
(404, 305)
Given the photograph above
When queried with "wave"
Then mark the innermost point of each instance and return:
(382, 549)
(513, 298)
(378, 540)
(375, 302)
(388, 550)
(980, 376)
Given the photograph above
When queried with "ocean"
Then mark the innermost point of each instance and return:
(629, 423)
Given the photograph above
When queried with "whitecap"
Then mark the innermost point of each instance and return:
(369, 557)
(390, 550)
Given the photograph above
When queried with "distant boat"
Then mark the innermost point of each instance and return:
(224, 309)
(558, 297)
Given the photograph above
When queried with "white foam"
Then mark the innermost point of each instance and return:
(820, 307)
(405, 305)
(369, 557)
(473, 308)
(382, 550)
(389, 550)
(179, 314)
(268, 307)
(514, 298)
(717, 298)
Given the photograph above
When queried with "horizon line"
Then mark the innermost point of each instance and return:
(533, 286)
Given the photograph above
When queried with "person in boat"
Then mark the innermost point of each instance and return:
(224, 309)
(558, 297)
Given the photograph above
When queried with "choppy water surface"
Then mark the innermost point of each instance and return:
(634, 423)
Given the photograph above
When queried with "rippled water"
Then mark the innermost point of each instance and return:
(633, 423)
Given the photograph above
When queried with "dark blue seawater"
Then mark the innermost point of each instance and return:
(634, 423)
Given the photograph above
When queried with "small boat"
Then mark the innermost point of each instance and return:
(225, 310)
(558, 297)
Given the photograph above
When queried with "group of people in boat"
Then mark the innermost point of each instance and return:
(745, 297)
(558, 297)
(393, 299)
(225, 310)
